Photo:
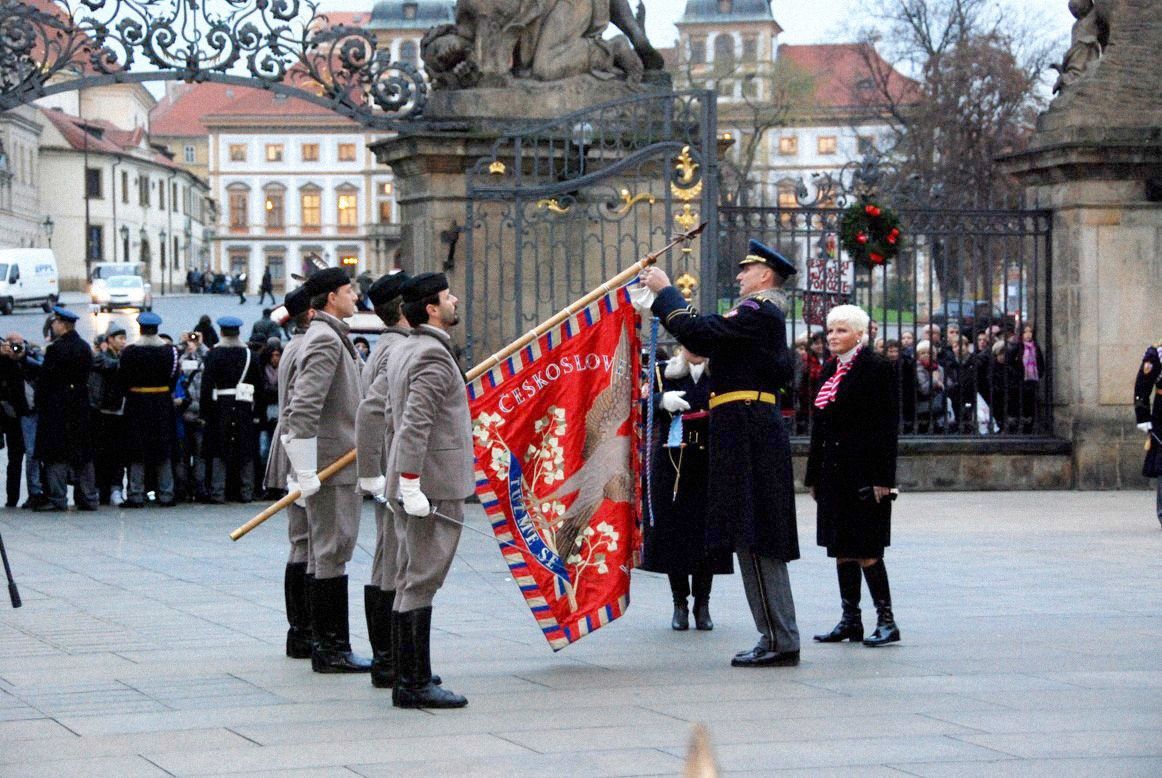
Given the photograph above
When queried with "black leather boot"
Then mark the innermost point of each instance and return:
(701, 587)
(850, 626)
(294, 587)
(332, 652)
(680, 591)
(413, 686)
(377, 605)
(877, 584)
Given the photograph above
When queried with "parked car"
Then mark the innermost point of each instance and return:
(101, 273)
(123, 292)
(28, 276)
(971, 314)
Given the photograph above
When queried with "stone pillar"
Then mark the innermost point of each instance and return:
(1096, 162)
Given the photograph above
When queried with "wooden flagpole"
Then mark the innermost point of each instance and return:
(613, 283)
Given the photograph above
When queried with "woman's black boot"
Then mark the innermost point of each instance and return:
(680, 589)
(877, 584)
(850, 626)
(702, 584)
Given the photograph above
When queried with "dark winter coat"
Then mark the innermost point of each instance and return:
(230, 432)
(751, 492)
(853, 447)
(1148, 407)
(62, 399)
(150, 417)
(675, 542)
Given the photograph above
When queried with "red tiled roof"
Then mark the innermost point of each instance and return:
(352, 18)
(112, 140)
(180, 112)
(839, 67)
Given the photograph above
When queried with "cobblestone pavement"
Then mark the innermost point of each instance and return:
(150, 644)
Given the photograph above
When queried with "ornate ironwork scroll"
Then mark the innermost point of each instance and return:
(856, 179)
(285, 46)
(557, 207)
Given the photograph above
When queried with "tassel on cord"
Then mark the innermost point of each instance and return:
(653, 367)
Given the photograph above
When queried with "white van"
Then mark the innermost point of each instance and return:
(27, 277)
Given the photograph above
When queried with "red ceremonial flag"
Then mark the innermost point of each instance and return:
(556, 432)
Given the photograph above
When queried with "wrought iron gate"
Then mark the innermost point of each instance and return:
(555, 210)
(980, 271)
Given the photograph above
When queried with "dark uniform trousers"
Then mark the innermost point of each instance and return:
(333, 524)
(427, 546)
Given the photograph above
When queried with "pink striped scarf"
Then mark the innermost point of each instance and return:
(830, 387)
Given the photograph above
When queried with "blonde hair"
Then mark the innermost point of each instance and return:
(853, 316)
(924, 345)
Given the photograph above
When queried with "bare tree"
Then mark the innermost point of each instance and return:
(978, 73)
(978, 87)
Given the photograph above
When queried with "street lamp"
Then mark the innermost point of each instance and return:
(48, 224)
(161, 256)
(125, 240)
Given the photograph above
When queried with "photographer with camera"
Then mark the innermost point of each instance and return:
(190, 473)
(13, 408)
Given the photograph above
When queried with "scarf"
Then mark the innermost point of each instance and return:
(830, 387)
(1030, 360)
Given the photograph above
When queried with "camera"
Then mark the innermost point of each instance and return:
(865, 493)
(17, 346)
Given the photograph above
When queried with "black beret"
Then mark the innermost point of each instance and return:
(769, 257)
(387, 287)
(297, 301)
(326, 281)
(424, 285)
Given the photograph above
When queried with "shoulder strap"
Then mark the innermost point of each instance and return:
(245, 369)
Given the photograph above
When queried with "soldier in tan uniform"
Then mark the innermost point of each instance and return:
(430, 471)
(297, 306)
(370, 434)
(319, 428)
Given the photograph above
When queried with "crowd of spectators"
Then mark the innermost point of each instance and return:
(947, 382)
(81, 392)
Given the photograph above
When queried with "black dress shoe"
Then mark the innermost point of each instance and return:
(766, 658)
(681, 620)
(702, 618)
(884, 634)
(844, 630)
(86, 506)
(48, 507)
(166, 504)
(32, 502)
(132, 504)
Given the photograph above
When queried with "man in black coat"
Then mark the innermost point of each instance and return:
(107, 396)
(63, 435)
(13, 407)
(1148, 411)
(751, 493)
(149, 369)
(230, 438)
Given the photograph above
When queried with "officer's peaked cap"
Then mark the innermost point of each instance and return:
(64, 313)
(148, 319)
(760, 252)
(230, 323)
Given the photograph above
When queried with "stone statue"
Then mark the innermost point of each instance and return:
(495, 41)
(1089, 38)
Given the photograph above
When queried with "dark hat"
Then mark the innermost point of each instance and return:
(115, 328)
(297, 301)
(64, 313)
(759, 252)
(386, 287)
(326, 281)
(424, 285)
(230, 323)
(148, 319)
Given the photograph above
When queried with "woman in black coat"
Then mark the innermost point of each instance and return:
(675, 543)
(851, 470)
(1148, 413)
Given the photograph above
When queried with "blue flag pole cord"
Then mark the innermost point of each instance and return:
(649, 441)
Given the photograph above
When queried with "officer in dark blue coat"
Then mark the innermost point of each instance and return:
(230, 442)
(1148, 412)
(63, 437)
(751, 501)
(148, 370)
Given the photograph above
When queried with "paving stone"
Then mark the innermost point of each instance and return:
(151, 644)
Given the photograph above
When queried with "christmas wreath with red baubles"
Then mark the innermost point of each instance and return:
(870, 233)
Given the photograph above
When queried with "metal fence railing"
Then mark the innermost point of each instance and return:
(963, 311)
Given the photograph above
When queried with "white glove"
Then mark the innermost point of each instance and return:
(375, 486)
(1145, 426)
(414, 501)
(293, 486)
(303, 454)
(641, 297)
(673, 402)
